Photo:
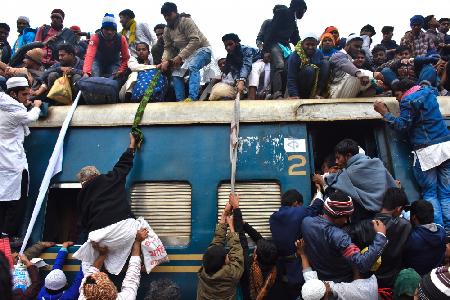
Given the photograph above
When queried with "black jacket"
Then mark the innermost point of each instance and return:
(397, 233)
(103, 200)
(283, 29)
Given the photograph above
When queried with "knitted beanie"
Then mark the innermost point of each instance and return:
(55, 280)
(417, 20)
(313, 289)
(109, 21)
(435, 285)
(338, 205)
(406, 283)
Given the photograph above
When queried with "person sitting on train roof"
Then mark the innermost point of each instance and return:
(444, 25)
(26, 34)
(429, 137)
(259, 79)
(397, 232)
(347, 81)
(163, 289)
(388, 42)
(97, 285)
(185, 48)
(329, 248)
(56, 286)
(5, 48)
(107, 54)
(418, 41)
(359, 289)
(379, 57)
(339, 43)
(238, 66)
(135, 32)
(80, 45)
(286, 226)
(14, 120)
(158, 47)
(425, 247)
(326, 45)
(308, 70)
(68, 64)
(431, 26)
(220, 273)
(355, 168)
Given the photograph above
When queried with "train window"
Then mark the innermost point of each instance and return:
(167, 208)
(61, 214)
(258, 200)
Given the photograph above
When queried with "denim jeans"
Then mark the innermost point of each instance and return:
(435, 185)
(278, 71)
(107, 71)
(201, 59)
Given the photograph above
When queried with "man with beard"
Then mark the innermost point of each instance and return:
(158, 47)
(308, 71)
(107, 54)
(135, 32)
(237, 68)
(26, 33)
(185, 48)
(418, 41)
(388, 42)
(5, 48)
(283, 30)
(68, 64)
(347, 80)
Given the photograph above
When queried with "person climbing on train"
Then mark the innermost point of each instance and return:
(220, 272)
(14, 120)
(421, 118)
(286, 226)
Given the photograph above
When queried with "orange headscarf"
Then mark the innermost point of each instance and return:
(330, 29)
(325, 36)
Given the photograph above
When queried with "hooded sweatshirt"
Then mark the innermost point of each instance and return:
(425, 248)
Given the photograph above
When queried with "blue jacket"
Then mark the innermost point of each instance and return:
(72, 293)
(425, 248)
(250, 55)
(421, 118)
(294, 66)
(332, 253)
(25, 38)
(286, 228)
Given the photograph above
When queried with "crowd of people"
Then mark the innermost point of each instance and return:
(357, 239)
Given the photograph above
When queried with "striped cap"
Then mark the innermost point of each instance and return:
(337, 209)
(109, 21)
(435, 285)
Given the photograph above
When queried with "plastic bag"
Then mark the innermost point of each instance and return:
(21, 278)
(152, 249)
(61, 90)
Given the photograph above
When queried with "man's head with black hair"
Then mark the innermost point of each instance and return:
(368, 30)
(430, 23)
(388, 33)
(291, 198)
(403, 52)
(266, 254)
(278, 7)
(159, 31)
(125, 16)
(422, 212)
(169, 11)
(66, 55)
(4, 32)
(359, 59)
(399, 88)
(394, 201)
(379, 54)
(329, 164)
(214, 259)
(163, 289)
(344, 150)
(299, 7)
(231, 41)
(444, 25)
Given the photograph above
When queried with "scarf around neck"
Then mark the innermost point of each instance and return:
(131, 26)
(305, 61)
(234, 59)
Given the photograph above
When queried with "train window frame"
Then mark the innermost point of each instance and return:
(182, 235)
(256, 216)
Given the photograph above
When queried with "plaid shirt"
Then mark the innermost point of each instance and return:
(419, 45)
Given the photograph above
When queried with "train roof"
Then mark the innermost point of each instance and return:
(218, 112)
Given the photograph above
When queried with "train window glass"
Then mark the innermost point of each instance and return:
(167, 208)
(258, 200)
(61, 213)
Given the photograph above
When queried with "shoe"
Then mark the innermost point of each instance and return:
(188, 100)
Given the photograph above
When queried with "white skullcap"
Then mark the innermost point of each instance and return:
(310, 35)
(313, 289)
(55, 280)
(24, 18)
(352, 37)
(16, 82)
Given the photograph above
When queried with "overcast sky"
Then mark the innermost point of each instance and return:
(244, 17)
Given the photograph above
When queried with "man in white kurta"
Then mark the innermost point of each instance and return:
(14, 119)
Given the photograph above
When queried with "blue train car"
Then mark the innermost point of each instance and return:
(180, 179)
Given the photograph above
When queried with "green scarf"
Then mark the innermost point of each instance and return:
(137, 132)
(304, 63)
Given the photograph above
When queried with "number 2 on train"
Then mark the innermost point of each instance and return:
(294, 170)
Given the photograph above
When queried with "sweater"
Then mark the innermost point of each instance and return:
(103, 201)
(425, 248)
(332, 253)
(92, 52)
(222, 284)
(397, 232)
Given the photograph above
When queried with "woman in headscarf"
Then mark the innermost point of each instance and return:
(338, 42)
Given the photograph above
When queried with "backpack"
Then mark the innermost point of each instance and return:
(66, 36)
(99, 90)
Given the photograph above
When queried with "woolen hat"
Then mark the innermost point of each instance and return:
(35, 55)
(24, 18)
(313, 289)
(55, 280)
(14, 82)
(406, 283)
(435, 285)
(417, 20)
(338, 205)
(352, 37)
(109, 21)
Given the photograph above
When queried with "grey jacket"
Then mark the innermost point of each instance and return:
(341, 64)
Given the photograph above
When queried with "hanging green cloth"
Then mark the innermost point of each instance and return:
(135, 130)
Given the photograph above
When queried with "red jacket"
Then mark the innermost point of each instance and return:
(92, 51)
(47, 59)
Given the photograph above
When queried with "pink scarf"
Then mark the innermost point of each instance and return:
(411, 90)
